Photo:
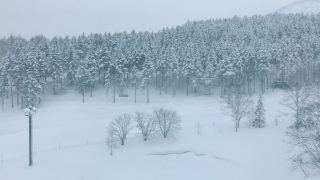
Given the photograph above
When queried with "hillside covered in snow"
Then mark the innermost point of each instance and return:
(301, 6)
(219, 98)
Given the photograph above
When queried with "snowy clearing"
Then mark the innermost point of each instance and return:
(70, 142)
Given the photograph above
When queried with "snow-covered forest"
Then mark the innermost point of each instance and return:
(252, 52)
(230, 98)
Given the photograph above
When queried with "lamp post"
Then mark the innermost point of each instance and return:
(29, 112)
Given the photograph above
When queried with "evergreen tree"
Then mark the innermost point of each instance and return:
(55, 67)
(3, 82)
(91, 65)
(83, 80)
(71, 66)
(259, 120)
(31, 86)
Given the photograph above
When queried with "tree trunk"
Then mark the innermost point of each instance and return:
(156, 80)
(135, 92)
(2, 103)
(174, 86)
(99, 76)
(249, 85)
(254, 82)
(11, 93)
(161, 83)
(187, 86)
(53, 88)
(17, 95)
(238, 123)
(22, 102)
(148, 92)
(236, 126)
(221, 87)
(114, 93)
(166, 81)
(82, 96)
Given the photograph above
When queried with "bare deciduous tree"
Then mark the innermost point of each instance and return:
(167, 121)
(146, 124)
(297, 98)
(120, 127)
(239, 105)
(307, 138)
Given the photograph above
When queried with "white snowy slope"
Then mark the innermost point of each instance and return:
(301, 6)
(69, 142)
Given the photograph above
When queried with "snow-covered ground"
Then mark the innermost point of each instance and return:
(69, 142)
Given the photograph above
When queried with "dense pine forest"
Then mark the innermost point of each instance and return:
(252, 53)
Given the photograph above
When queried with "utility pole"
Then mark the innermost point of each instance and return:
(29, 112)
(30, 140)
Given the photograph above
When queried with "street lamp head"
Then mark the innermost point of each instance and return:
(29, 111)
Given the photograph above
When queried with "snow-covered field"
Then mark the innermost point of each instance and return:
(70, 142)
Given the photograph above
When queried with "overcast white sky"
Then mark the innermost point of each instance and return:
(73, 17)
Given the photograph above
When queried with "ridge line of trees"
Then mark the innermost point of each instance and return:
(251, 51)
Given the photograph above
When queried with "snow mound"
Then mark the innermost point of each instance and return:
(301, 6)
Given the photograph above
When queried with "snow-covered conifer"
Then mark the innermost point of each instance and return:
(259, 120)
